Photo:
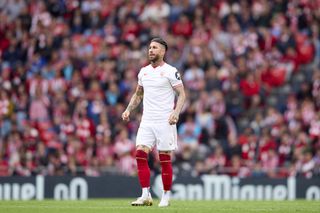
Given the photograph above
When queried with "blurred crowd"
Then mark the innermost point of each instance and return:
(250, 68)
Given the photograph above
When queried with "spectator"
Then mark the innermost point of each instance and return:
(124, 148)
(189, 133)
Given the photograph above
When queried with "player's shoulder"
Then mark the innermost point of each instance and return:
(148, 66)
(144, 69)
(169, 68)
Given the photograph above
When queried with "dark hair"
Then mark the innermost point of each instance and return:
(160, 41)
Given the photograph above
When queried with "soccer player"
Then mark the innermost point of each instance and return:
(157, 85)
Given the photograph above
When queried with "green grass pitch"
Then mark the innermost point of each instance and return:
(123, 205)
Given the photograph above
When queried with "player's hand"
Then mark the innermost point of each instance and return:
(125, 115)
(173, 118)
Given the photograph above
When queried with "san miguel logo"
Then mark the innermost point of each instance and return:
(222, 187)
(77, 189)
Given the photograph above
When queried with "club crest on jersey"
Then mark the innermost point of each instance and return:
(162, 74)
(177, 74)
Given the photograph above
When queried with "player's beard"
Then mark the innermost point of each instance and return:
(154, 58)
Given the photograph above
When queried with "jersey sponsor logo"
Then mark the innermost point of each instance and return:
(177, 74)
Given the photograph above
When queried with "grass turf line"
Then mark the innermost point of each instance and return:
(123, 206)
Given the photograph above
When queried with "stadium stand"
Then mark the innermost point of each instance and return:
(250, 67)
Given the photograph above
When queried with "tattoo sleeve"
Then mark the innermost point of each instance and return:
(135, 99)
(181, 98)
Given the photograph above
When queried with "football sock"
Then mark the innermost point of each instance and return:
(145, 192)
(166, 172)
(166, 195)
(143, 169)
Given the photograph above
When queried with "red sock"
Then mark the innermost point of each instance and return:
(143, 168)
(166, 172)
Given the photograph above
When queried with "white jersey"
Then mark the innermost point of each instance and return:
(159, 95)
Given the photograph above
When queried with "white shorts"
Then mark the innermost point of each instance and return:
(163, 135)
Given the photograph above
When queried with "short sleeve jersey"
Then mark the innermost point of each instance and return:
(158, 84)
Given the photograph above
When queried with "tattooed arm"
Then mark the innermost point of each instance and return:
(134, 102)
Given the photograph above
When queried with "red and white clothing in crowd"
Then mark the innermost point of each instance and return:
(305, 49)
(273, 118)
(123, 148)
(291, 58)
(216, 160)
(95, 42)
(127, 165)
(200, 35)
(15, 144)
(60, 110)
(4, 168)
(105, 152)
(4, 107)
(182, 27)
(194, 78)
(305, 165)
(301, 141)
(67, 128)
(77, 150)
(58, 84)
(266, 143)
(270, 160)
(102, 131)
(130, 29)
(155, 11)
(241, 42)
(274, 76)
(292, 109)
(255, 59)
(73, 145)
(218, 105)
(308, 112)
(38, 83)
(40, 15)
(285, 149)
(314, 129)
(84, 128)
(248, 147)
(250, 86)
(237, 168)
(316, 87)
(123, 145)
(39, 109)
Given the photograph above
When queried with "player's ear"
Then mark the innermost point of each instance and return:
(163, 49)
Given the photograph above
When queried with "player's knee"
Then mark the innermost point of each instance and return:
(165, 152)
(143, 148)
(141, 154)
(164, 157)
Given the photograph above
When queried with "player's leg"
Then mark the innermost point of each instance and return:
(166, 174)
(144, 143)
(142, 153)
(167, 142)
